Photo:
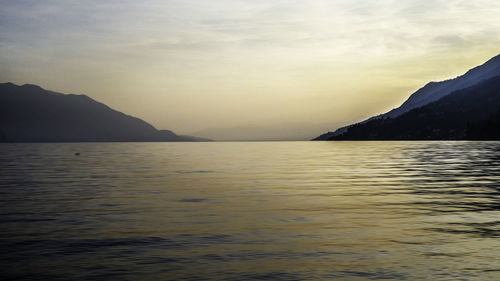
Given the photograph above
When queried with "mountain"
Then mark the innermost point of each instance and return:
(29, 113)
(472, 113)
(270, 132)
(434, 91)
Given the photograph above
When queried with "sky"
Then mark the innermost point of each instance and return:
(192, 65)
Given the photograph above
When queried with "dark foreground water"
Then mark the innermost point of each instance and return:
(250, 211)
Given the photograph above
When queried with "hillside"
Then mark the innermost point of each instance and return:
(29, 113)
(433, 91)
(470, 113)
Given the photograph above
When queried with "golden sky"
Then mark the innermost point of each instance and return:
(190, 65)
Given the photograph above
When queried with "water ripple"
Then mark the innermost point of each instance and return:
(250, 211)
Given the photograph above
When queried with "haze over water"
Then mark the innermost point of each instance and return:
(250, 211)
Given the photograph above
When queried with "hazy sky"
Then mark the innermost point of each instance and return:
(189, 65)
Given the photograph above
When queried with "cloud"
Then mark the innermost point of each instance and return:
(359, 27)
(253, 50)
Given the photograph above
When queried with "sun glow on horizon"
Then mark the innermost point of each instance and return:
(189, 65)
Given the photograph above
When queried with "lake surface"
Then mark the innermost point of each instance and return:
(250, 211)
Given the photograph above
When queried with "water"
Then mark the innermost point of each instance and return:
(250, 211)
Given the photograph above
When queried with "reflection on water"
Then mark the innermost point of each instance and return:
(251, 211)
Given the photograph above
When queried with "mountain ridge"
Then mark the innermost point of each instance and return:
(432, 91)
(472, 113)
(29, 113)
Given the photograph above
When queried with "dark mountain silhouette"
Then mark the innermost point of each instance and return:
(488, 129)
(434, 91)
(29, 113)
(472, 113)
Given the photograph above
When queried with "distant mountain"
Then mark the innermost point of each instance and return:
(29, 113)
(277, 132)
(472, 113)
(434, 91)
